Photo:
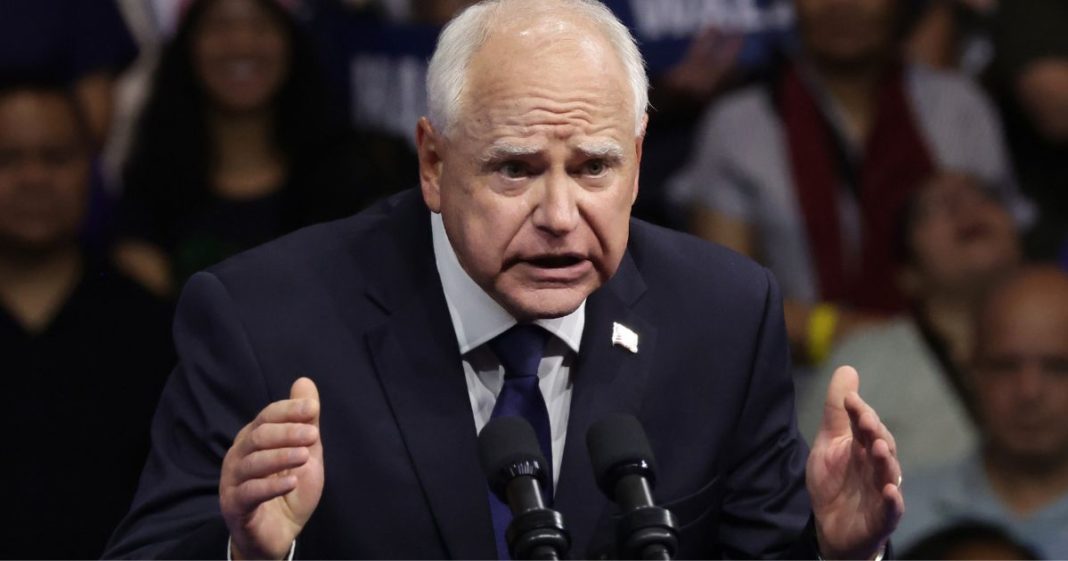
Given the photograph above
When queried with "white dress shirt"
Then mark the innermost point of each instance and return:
(477, 318)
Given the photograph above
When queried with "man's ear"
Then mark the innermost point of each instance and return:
(638, 157)
(429, 145)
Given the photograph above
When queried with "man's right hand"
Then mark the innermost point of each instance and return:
(272, 476)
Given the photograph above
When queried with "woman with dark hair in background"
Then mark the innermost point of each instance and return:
(238, 144)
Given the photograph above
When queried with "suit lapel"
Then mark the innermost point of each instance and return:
(419, 366)
(607, 378)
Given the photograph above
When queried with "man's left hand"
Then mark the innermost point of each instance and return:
(853, 475)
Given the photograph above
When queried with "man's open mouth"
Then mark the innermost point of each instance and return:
(555, 261)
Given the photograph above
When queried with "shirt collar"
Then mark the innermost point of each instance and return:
(476, 317)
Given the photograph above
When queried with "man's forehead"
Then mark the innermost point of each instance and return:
(538, 48)
(527, 117)
(557, 40)
(555, 75)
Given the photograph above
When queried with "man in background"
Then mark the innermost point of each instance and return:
(1018, 477)
(957, 241)
(83, 350)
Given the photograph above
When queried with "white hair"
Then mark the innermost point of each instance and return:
(447, 75)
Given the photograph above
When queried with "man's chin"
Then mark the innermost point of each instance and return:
(544, 303)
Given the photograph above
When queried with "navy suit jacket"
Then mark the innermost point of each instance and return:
(357, 305)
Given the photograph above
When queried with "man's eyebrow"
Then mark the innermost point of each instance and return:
(608, 150)
(506, 150)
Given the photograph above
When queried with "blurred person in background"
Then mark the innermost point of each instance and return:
(809, 171)
(1018, 476)
(970, 540)
(1030, 80)
(84, 350)
(956, 241)
(695, 51)
(956, 35)
(84, 45)
(238, 144)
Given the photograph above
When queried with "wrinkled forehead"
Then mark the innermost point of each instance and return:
(545, 39)
(561, 58)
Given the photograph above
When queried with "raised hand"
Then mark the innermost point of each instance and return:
(708, 63)
(272, 476)
(853, 475)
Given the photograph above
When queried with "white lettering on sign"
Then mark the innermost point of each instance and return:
(675, 19)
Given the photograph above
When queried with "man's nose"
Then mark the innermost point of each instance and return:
(557, 209)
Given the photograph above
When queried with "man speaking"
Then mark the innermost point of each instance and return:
(332, 384)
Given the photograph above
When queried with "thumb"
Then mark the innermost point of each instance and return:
(845, 381)
(304, 388)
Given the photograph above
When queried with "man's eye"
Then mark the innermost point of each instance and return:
(596, 167)
(513, 170)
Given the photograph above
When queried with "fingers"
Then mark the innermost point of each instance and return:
(887, 468)
(268, 462)
(272, 474)
(265, 435)
(300, 410)
(305, 390)
(283, 436)
(893, 503)
(866, 424)
(255, 492)
(283, 420)
(301, 407)
(886, 476)
(845, 381)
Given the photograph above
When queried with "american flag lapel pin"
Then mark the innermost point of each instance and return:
(625, 337)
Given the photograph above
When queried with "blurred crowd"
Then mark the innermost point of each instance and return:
(897, 164)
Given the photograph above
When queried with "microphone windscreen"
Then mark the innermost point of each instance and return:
(504, 443)
(617, 440)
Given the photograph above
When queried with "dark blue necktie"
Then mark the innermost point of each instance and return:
(520, 350)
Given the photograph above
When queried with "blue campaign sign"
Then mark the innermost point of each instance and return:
(664, 28)
(387, 66)
(382, 64)
(379, 65)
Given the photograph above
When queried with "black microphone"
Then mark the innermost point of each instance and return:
(516, 470)
(625, 469)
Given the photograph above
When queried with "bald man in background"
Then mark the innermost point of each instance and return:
(1018, 478)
